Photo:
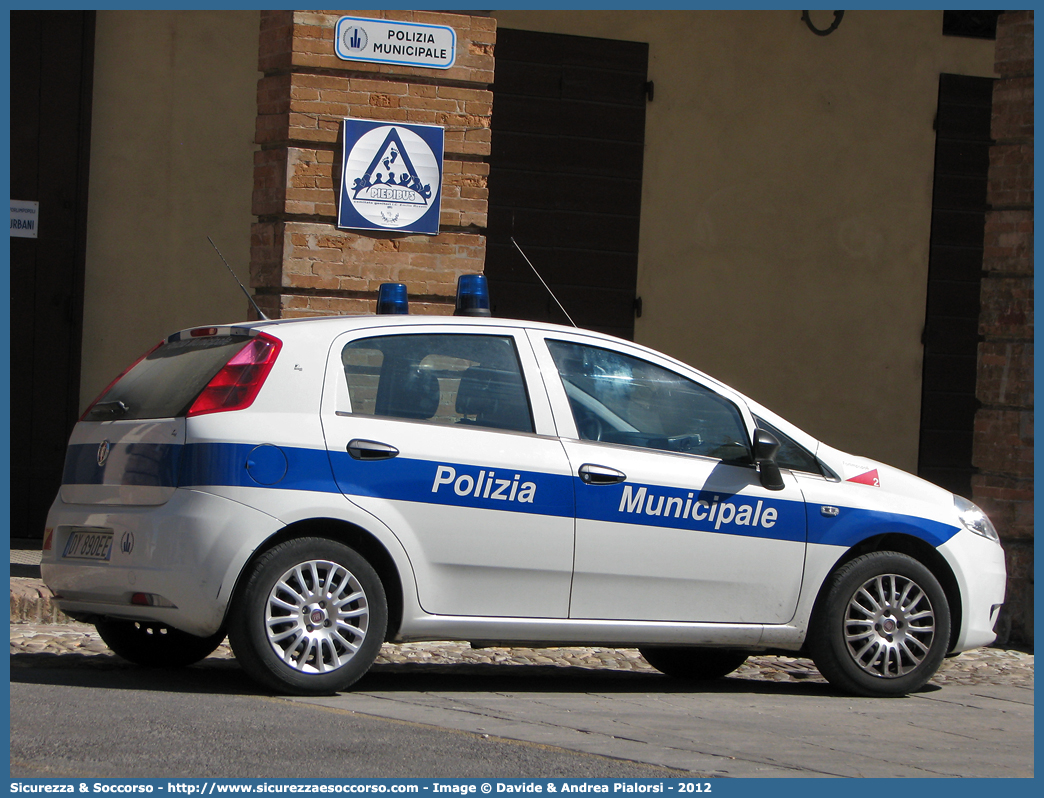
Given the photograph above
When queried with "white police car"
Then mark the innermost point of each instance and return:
(316, 487)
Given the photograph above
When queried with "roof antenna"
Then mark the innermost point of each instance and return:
(541, 279)
(248, 296)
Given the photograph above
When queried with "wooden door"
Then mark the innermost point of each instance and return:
(52, 57)
(951, 330)
(566, 177)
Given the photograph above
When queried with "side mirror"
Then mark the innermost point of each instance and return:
(766, 447)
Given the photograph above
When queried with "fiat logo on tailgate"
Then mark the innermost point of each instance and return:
(103, 452)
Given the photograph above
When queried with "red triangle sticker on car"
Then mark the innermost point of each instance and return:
(869, 478)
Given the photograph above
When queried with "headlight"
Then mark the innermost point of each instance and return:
(974, 519)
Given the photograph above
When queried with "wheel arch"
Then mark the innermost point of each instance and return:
(350, 535)
(918, 549)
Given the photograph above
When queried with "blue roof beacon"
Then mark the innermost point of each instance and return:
(392, 300)
(472, 296)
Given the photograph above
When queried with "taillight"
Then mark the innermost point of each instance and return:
(237, 384)
(118, 378)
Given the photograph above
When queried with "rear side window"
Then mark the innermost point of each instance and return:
(166, 382)
(471, 380)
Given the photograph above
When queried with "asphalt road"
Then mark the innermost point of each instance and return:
(198, 723)
(498, 721)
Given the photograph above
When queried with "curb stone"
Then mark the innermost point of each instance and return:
(42, 636)
(49, 645)
(32, 602)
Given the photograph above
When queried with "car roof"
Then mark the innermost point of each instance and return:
(336, 324)
(349, 322)
(332, 325)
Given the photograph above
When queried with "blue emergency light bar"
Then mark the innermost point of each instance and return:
(392, 299)
(472, 296)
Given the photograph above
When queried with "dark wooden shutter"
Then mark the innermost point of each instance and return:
(951, 331)
(52, 65)
(566, 177)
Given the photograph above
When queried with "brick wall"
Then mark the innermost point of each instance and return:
(301, 263)
(1003, 443)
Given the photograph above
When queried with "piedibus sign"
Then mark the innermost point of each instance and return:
(392, 177)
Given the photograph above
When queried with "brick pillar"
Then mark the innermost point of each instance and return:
(301, 264)
(1003, 444)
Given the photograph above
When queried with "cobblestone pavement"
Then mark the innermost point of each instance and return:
(36, 645)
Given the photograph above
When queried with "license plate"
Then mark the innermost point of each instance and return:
(88, 546)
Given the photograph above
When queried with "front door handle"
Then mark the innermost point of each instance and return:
(370, 450)
(600, 475)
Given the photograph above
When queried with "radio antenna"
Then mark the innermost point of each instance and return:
(541, 279)
(248, 296)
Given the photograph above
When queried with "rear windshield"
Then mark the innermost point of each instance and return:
(165, 383)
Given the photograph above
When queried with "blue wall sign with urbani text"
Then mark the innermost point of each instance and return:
(25, 218)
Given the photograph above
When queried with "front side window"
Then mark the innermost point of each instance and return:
(442, 378)
(616, 398)
(791, 454)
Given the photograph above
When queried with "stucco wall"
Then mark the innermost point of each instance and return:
(171, 163)
(786, 204)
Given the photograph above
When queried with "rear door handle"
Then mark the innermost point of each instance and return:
(600, 475)
(370, 450)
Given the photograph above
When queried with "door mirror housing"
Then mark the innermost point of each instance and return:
(766, 447)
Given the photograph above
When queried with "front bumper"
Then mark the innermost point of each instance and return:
(978, 565)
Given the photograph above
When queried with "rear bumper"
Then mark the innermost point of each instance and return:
(187, 553)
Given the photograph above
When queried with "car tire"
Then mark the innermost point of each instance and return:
(882, 626)
(694, 664)
(155, 645)
(310, 618)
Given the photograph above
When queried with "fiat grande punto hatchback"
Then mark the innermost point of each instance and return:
(314, 488)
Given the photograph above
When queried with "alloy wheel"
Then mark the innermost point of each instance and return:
(889, 626)
(316, 616)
